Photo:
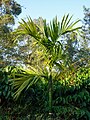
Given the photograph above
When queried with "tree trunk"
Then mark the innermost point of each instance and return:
(50, 96)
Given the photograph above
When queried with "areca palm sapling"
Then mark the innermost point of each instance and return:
(48, 37)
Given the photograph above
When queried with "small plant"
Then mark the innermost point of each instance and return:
(5, 87)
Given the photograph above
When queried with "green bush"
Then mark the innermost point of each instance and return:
(5, 87)
(71, 99)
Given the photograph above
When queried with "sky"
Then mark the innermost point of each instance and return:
(48, 9)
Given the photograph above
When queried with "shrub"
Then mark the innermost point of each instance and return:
(6, 92)
(71, 99)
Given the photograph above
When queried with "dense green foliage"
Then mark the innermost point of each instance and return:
(71, 99)
(54, 82)
(5, 88)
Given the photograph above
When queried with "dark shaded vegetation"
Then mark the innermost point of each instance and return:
(71, 99)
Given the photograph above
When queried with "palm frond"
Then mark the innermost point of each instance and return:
(25, 79)
(68, 26)
(30, 28)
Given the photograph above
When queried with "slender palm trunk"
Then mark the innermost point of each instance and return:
(50, 96)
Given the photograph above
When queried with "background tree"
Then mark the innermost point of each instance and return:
(83, 52)
(78, 49)
(9, 10)
(85, 41)
(86, 27)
